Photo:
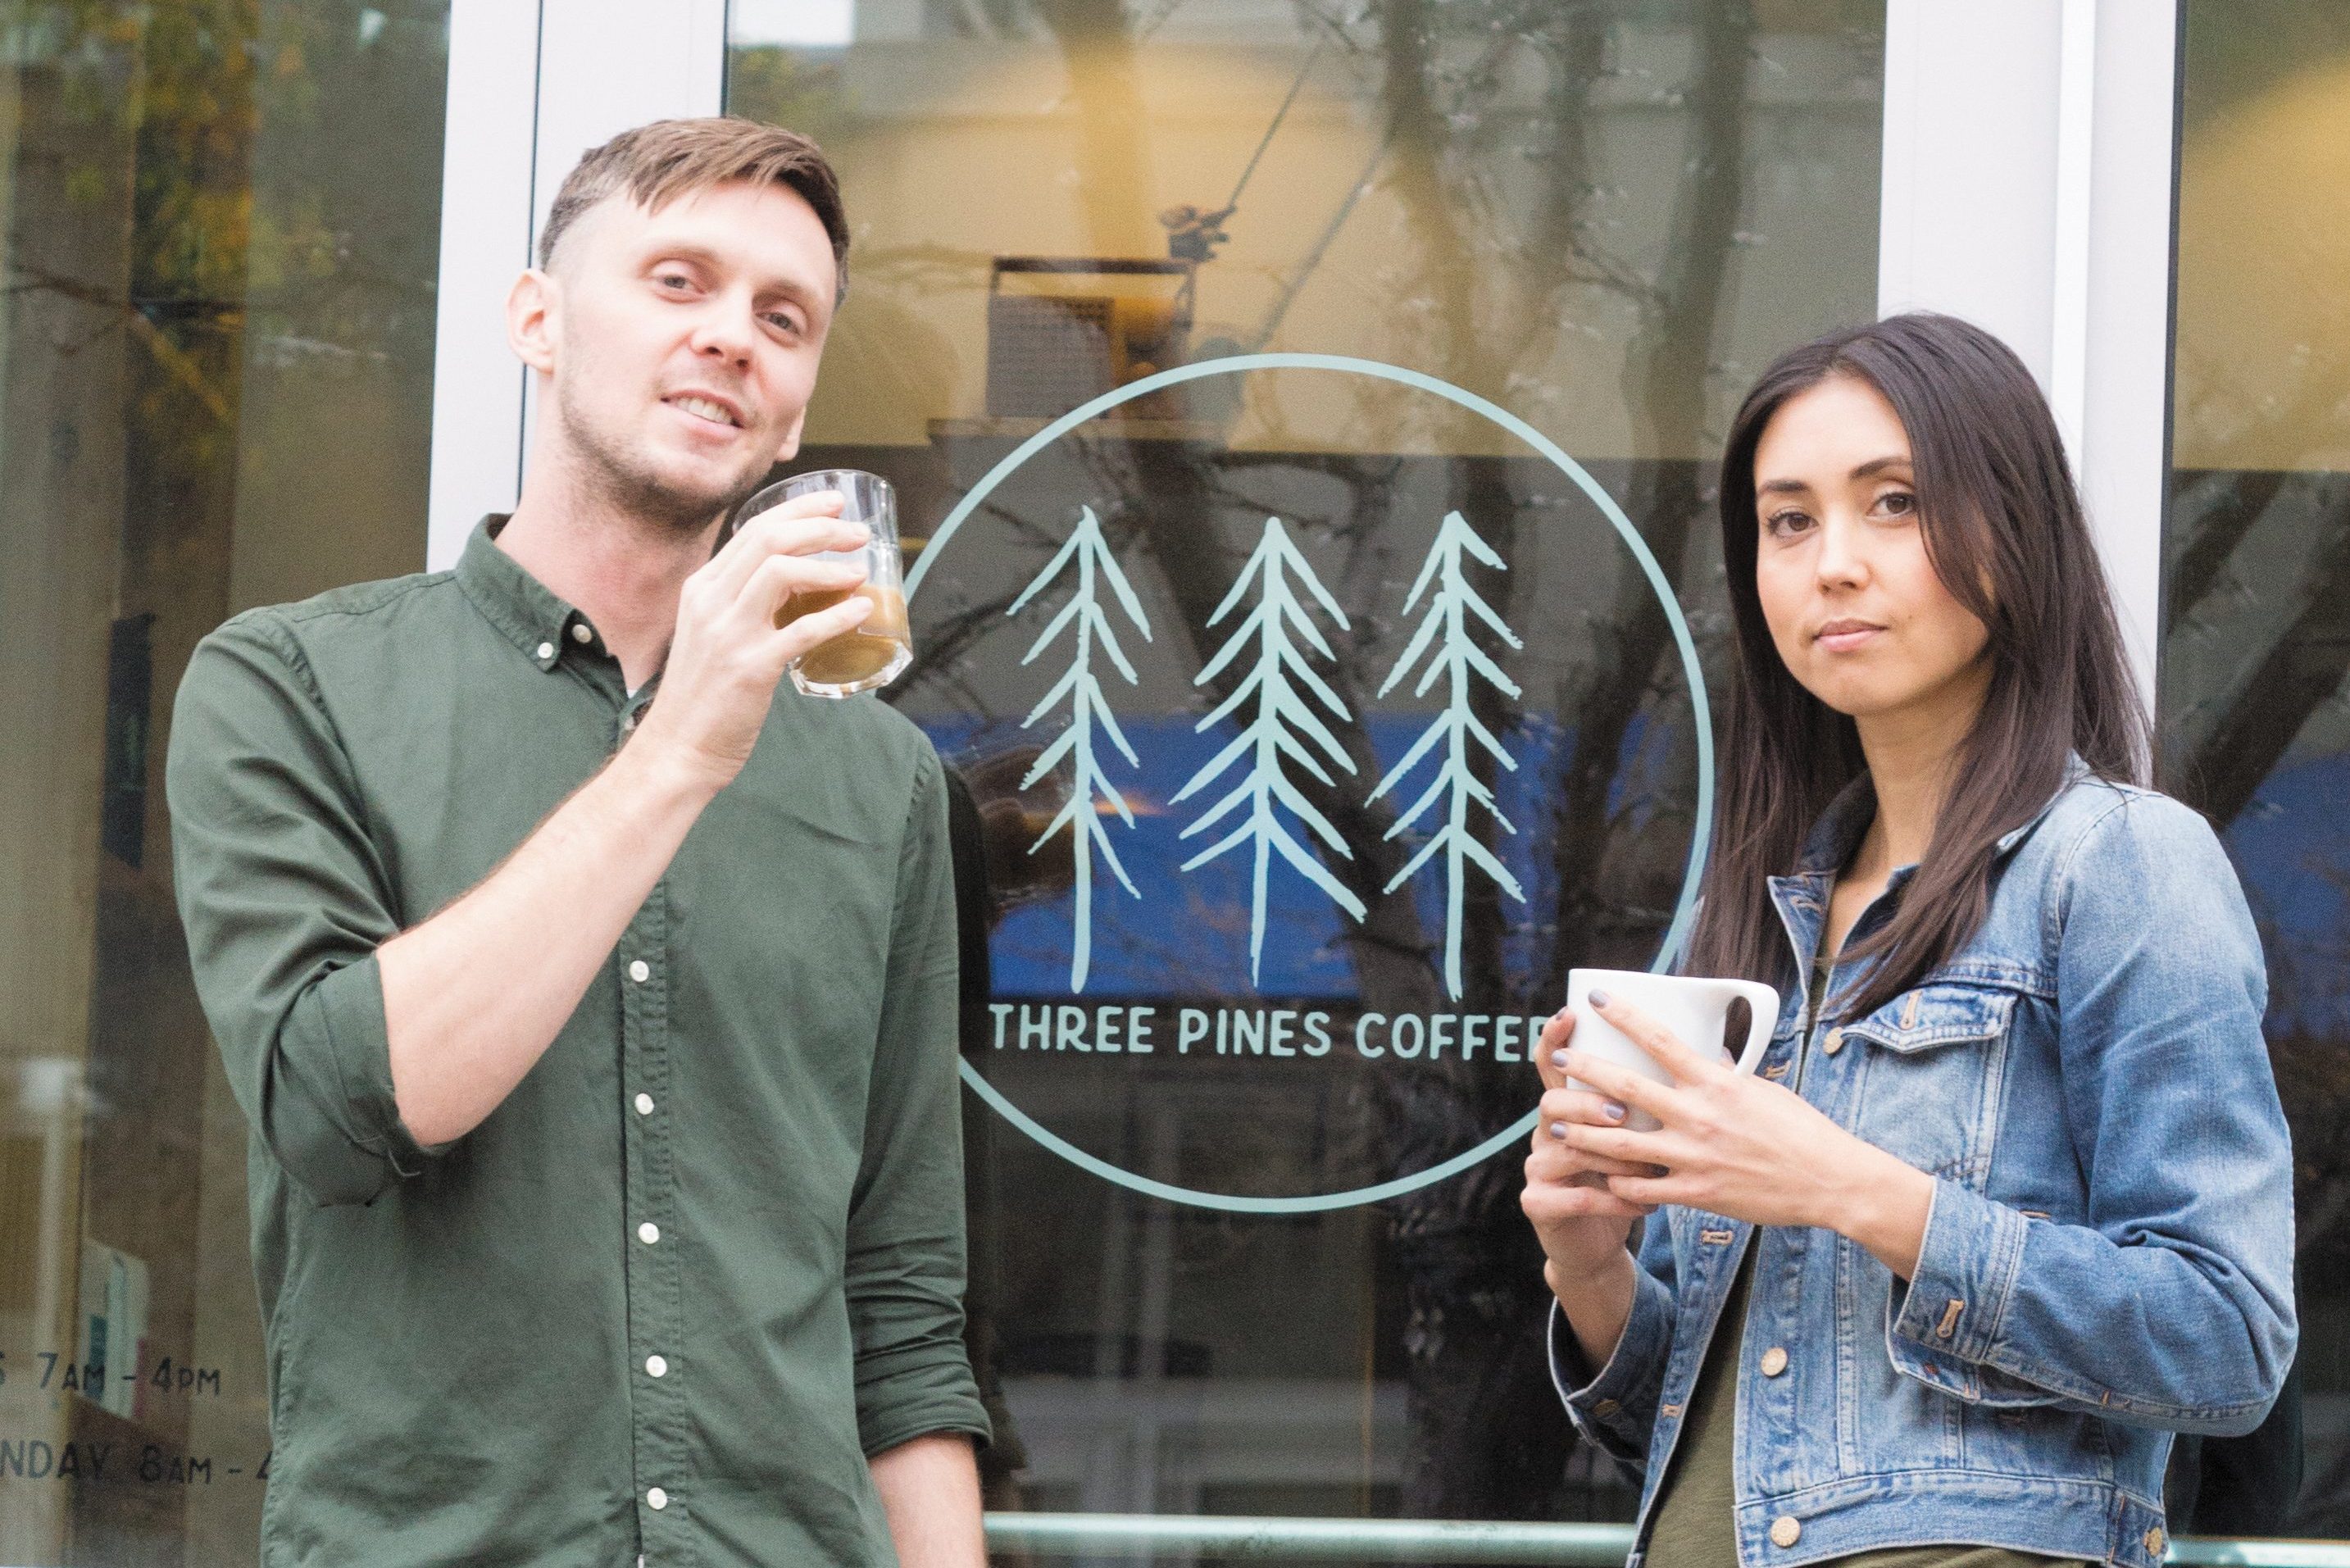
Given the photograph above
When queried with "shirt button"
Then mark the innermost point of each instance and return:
(656, 1498)
(2154, 1543)
(1774, 1362)
(648, 1232)
(641, 972)
(582, 632)
(1785, 1530)
(656, 1367)
(547, 651)
(1835, 1041)
(644, 1104)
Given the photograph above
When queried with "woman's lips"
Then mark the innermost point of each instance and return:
(1844, 638)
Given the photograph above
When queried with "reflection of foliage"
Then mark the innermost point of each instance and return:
(1461, 664)
(1092, 556)
(1269, 742)
(785, 87)
(181, 91)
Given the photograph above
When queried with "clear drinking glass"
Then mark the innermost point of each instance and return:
(874, 653)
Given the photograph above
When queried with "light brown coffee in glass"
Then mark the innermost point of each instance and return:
(883, 646)
(855, 656)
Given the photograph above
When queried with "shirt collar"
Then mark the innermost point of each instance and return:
(514, 601)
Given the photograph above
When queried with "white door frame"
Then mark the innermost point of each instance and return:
(2029, 178)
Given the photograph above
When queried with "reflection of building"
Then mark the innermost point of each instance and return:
(1052, 347)
(251, 347)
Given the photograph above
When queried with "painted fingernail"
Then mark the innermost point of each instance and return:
(1558, 1130)
(1612, 1111)
(1559, 1060)
(1598, 999)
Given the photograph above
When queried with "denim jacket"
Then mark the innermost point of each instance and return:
(2107, 1258)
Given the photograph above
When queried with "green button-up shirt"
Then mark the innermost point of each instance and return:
(709, 1254)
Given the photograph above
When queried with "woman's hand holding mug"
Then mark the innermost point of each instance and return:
(1726, 1141)
(1580, 1221)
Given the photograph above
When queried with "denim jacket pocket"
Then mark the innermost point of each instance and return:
(1939, 1015)
(1929, 1088)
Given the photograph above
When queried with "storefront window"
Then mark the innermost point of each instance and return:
(1318, 714)
(2255, 707)
(221, 229)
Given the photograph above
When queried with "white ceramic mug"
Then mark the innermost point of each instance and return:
(1695, 1009)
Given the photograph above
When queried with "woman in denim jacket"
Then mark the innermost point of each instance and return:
(2008, 1201)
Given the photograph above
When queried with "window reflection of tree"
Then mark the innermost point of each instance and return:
(1487, 1438)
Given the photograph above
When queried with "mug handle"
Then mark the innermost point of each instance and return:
(1763, 1000)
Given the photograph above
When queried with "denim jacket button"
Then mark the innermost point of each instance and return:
(1774, 1362)
(2154, 1543)
(1786, 1530)
(1834, 1043)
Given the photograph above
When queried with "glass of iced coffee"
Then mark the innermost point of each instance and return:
(875, 651)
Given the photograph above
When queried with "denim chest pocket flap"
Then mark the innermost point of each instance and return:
(1935, 1015)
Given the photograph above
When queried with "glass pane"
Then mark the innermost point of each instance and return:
(2255, 711)
(1319, 716)
(215, 387)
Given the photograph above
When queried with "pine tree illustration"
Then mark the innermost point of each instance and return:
(1459, 662)
(1087, 709)
(1269, 741)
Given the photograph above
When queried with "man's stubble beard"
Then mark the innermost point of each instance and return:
(608, 473)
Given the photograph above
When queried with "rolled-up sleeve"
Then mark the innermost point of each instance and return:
(282, 897)
(905, 1263)
(1614, 1407)
(2172, 1305)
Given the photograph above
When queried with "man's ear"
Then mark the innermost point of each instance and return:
(533, 319)
(791, 447)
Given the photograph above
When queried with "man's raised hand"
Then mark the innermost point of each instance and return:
(727, 653)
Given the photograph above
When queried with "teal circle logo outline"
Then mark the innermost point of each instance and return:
(1683, 913)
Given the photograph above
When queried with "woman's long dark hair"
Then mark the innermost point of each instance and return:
(2004, 530)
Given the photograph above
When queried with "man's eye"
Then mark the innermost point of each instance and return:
(675, 280)
(782, 322)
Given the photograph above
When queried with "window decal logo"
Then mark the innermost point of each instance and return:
(1287, 758)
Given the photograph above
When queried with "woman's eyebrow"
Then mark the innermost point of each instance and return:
(1783, 487)
(1878, 465)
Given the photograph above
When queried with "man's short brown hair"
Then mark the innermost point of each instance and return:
(660, 162)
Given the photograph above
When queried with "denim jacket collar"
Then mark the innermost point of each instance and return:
(1829, 846)
(1802, 898)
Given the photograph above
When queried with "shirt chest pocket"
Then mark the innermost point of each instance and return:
(1932, 1067)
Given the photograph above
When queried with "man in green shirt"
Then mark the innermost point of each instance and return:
(590, 994)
